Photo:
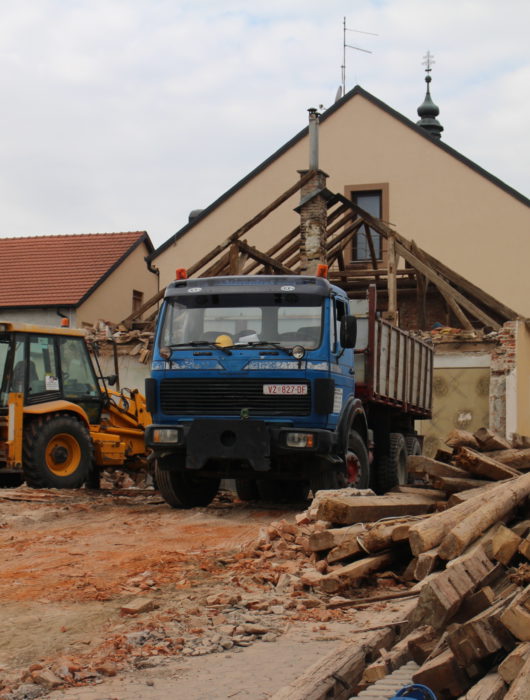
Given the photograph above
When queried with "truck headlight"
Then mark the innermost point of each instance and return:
(166, 435)
(300, 440)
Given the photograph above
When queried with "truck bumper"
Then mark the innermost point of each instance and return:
(252, 441)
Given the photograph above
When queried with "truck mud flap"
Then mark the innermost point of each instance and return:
(224, 439)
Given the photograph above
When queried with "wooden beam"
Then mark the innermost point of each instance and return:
(391, 281)
(452, 296)
(250, 224)
(264, 259)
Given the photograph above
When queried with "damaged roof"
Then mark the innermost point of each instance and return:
(64, 270)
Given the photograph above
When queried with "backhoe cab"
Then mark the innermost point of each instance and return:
(60, 424)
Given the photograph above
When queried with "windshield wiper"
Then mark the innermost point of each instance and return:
(203, 343)
(263, 343)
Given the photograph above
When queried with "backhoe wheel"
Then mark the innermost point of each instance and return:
(185, 490)
(392, 467)
(58, 452)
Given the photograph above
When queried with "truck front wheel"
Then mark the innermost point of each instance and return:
(58, 452)
(357, 462)
(392, 467)
(184, 490)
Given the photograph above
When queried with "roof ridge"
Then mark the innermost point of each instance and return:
(356, 90)
(72, 235)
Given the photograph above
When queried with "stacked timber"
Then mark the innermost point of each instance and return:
(460, 540)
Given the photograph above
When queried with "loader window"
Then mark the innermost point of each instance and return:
(43, 375)
(4, 370)
(76, 370)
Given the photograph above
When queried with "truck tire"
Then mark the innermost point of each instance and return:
(183, 490)
(392, 467)
(413, 445)
(57, 452)
(325, 480)
(247, 489)
(357, 462)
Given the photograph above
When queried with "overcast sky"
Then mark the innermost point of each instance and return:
(121, 115)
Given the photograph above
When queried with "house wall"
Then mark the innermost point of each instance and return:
(446, 207)
(523, 379)
(461, 387)
(44, 317)
(112, 300)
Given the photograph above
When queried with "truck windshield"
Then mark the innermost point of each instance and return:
(285, 319)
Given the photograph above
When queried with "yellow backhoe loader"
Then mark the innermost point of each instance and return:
(60, 423)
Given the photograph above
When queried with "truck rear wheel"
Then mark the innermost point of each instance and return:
(185, 490)
(413, 445)
(392, 467)
(58, 452)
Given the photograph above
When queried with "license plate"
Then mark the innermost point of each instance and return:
(285, 389)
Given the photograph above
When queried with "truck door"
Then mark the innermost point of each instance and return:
(341, 358)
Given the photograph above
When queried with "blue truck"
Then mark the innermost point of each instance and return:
(284, 384)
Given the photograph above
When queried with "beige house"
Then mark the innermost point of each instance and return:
(84, 277)
(462, 215)
(403, 173)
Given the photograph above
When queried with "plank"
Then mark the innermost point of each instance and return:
(511, 666)
(351, 573)
(490, 687)
(462, 496)
(320, 541)
(488, 440)
(517, 458)
(482, 465)
(429, 532)
(503, 545)
(426, 562)
(519, 688)
(516, 617)
(450, 485)
(443, 675)
(478, 638)
(381, 535)
(461, 438)
(498, 503)
(336, 674)
(418, 464)
(443, 593)
(348, 510)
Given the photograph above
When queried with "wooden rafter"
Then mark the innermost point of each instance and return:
(236, 256)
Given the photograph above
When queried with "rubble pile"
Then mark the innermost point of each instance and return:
(130, 342)
(464, 550)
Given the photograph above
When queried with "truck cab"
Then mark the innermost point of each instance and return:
(252, 378)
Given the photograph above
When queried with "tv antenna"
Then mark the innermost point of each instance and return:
(342, 89)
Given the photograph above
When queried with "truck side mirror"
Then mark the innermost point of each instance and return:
(348, 331)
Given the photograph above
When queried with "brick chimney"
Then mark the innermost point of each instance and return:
(313, 207)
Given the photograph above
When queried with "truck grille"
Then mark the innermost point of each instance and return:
(213, 397)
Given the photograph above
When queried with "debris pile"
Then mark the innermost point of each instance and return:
(460, 537)
(133, 342)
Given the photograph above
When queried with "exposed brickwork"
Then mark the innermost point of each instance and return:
(313, 224)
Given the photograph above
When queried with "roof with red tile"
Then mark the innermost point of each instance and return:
(61, 270)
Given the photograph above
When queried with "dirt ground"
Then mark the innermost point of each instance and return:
(113, 594)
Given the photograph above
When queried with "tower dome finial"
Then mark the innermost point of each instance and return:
(428, 111)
